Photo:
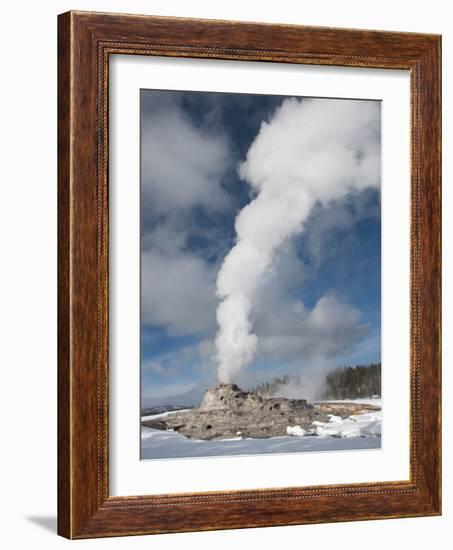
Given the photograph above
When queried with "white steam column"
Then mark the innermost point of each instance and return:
(312, 150)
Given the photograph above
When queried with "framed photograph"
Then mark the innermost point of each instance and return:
(249, 275)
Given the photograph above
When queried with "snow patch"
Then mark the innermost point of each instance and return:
(357, 425)
(296, 430)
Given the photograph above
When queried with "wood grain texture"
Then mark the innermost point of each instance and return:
(86, 40)
(64, 370)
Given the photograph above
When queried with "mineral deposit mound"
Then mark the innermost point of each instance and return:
(226, 411)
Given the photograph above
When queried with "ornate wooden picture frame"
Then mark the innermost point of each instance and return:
(85, 507)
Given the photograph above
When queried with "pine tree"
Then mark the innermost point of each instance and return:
(353, 382)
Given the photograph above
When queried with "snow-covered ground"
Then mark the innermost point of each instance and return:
(356, 432)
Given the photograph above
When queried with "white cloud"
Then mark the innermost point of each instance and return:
(182, 164)
(182, 168)
(178, 293)
(288, 330)
(330, 329)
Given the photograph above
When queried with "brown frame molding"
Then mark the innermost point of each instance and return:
(85, 42)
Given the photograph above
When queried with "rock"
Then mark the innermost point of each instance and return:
(229, 398)
(227, 412)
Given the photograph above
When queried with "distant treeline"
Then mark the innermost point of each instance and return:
(341, 383)
(353, 382)
(267, 389)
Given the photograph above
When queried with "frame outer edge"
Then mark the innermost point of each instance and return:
(64, 527)
(427, 271)
(439, 165)
(434, 125)
(80, 402)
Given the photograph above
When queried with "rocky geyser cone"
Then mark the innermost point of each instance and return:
(227, 411)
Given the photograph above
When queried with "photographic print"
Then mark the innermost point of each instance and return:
(260, 274)
(226, 305)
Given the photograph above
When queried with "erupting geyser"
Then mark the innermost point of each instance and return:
(312, 151)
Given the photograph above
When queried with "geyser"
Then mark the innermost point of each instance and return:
(312, 151)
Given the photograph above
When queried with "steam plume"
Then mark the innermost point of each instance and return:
(312, 151)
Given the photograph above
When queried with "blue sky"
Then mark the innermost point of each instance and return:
(191, 146)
